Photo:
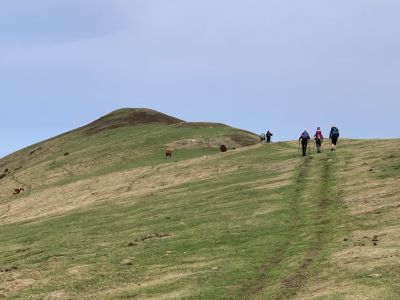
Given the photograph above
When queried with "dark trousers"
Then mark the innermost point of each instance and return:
(268, 139)
(304, 144)
(318, 143)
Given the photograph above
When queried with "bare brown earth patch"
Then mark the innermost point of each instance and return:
(201, 142)
(244, 140)
(232, 141)
(199, 124)
(128, 117)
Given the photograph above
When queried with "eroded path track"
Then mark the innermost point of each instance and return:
(308, 233)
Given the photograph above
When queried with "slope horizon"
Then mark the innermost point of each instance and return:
(4, 154)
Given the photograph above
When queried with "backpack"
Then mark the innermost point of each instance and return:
(318, 135)
(305, 136)
(335, 132)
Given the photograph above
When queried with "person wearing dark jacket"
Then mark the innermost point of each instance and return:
(334, 136)
(269, 135)
(319, 139)
(304, 138)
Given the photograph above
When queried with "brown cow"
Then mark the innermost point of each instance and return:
(168, 153)
(262, 138)
(18, 191)
(223, 148)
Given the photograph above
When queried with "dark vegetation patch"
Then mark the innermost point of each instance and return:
(364, 241)
(21, 250)
(128, 117)
(154, 236)
(35, 150)
(8, 269)
(6, 172)
(199, 125)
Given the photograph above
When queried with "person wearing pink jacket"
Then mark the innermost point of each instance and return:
(319, 139)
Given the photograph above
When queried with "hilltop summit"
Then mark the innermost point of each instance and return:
(129, 117)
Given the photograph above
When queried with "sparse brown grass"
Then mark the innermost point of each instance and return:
(372, 201)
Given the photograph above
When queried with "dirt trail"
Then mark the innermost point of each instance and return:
(261, 281)
(291, 284)
(298, 279)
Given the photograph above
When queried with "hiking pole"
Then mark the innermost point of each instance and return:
(298, 149)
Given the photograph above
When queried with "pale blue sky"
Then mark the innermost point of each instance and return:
(256, 64)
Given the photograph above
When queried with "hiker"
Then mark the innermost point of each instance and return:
(319, 139)
(304, 138)
(334, 136)
(262, 138)
(269, 135)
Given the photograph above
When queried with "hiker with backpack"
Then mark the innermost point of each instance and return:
(269, 135)
(334, 136)
(319, 139)
(304, 138)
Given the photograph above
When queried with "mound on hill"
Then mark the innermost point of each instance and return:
(106, 216)
(129, 117)
(118, 142)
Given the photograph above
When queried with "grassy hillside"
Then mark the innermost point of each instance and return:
(115, 219)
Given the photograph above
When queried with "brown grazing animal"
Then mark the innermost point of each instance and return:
(168, 153)
(223, 148)
(18, 191)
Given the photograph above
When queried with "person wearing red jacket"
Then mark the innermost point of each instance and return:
(319, 139)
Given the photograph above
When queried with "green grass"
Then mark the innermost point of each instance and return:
(201, 224)
(217, 237)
